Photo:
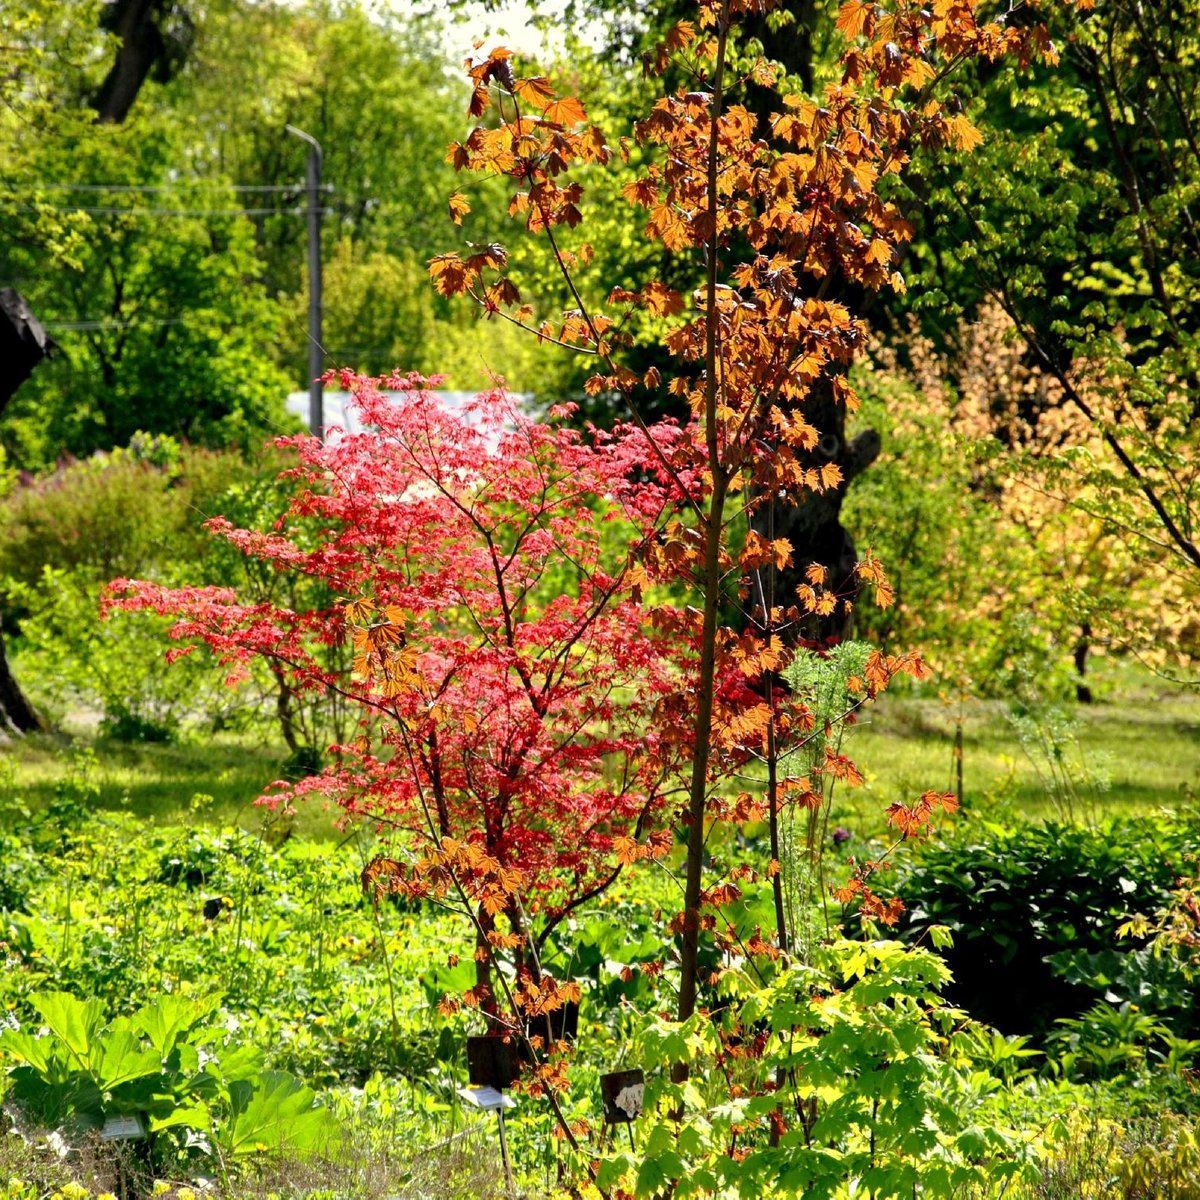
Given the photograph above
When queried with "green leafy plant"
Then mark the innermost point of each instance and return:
(116, 666)
(169, 1064)
(863, 1099)
(1042, 905)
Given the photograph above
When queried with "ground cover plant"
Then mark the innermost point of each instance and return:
(276, 942)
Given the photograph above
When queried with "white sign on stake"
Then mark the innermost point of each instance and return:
(487, 1098)
(117, 1129)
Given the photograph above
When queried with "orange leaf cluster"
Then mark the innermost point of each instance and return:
(913, 820)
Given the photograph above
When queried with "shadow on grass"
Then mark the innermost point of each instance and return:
(154, 781)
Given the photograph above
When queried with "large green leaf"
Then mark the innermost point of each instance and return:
(74, 1100)
(38, 1052)
(122, 1059)
(280, 1113)
(191, 1116)
(75, 1022)
(169, 1017)
(240, 1062)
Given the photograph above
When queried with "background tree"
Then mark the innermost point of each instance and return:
(1005, 578)
(23, 345)
(153, 38)
(1078, 220)
(160, 321)
(153, 294)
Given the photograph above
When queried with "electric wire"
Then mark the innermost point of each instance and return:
(165, 187)
(109, 210)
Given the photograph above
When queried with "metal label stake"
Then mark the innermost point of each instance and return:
(489, 1099)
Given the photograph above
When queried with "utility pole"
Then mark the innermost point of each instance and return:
(316, 363)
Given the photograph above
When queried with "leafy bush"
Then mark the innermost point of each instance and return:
(1039, 906)
(118, 666)
(134, 510)
(853, 1039)
(196, 1089)
(140, 511)
(1092, 1155)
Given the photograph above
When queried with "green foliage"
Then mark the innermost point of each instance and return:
(865, 1100)
(821, 681)
(117, 666)
(953, 566)
(123, 911)
(1048, 736)
(119, 909)
(160, 321)
(138, 511)
(1111, 1041)
(1095, 1155)
(1075, 217)
(1039, 906)
(108, 515)
(167, 1063)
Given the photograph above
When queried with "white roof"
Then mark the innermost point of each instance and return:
(337, 409)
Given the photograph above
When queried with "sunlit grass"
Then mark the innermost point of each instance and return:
(1132, 752)
(1142, 738)
(157, 782)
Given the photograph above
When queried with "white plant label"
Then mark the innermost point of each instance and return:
(118, 1128)
(630, 1099)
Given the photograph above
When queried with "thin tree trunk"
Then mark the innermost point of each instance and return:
(1083, 693)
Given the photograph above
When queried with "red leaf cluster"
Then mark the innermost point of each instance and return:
(507, 678)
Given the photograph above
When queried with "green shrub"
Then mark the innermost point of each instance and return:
(139, 512)
(866, 1103)
(1038, 908)
(185, 1082)
(119, 666)
(1089, 1156)
(134, 512)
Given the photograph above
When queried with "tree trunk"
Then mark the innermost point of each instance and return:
(23, 344)
(154, 38)
(17, 715)
(814, 527)
(1083, 693)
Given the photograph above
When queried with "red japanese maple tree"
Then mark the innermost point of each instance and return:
(507, 678)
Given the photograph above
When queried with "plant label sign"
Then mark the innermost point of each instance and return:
(117, 1129)
(624, 1095)
(487, 1098)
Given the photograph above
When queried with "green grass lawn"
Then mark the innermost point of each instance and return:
(1144, 754)
(152, 781)
(1142, 738)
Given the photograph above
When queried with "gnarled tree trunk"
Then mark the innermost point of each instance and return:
(154, 39)
(814, 527)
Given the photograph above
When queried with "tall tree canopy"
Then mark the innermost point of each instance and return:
(1080, 222)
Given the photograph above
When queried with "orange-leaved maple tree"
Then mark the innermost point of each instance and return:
(507, 679)
(787, 220)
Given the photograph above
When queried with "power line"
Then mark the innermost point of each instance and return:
(110, 210)
(164, 187)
